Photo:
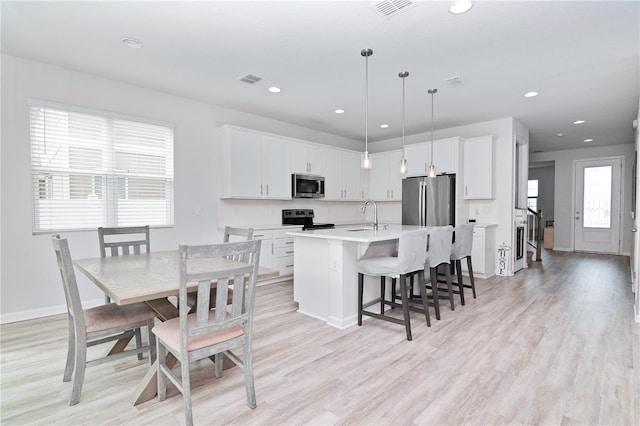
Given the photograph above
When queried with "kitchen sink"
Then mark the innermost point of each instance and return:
(359, 229)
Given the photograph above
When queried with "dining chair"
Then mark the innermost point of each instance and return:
(237, 234)
(115, 245)
(211, 332)
(93, 326)
(461, 249)
(410, 259)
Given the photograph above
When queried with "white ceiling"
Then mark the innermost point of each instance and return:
(582, 56)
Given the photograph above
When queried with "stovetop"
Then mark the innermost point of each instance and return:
(302, 217)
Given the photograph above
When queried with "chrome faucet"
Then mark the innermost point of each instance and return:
(375, 212)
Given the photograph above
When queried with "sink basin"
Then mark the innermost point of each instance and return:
(359, 229)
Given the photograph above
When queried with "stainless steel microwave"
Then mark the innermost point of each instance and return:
(307, 186)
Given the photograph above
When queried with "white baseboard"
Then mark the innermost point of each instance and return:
(43, 312)
(562, 249)
(637, 313)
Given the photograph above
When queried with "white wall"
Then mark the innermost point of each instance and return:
(564, 198)
(30, 284)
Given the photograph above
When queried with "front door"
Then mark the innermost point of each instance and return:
(597, 206)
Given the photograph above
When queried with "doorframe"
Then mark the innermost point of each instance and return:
(573, 199)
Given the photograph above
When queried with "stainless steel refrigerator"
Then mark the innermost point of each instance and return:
(429, 201)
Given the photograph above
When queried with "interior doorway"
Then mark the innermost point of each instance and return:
(597, 205)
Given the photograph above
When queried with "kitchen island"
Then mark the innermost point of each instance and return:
(325, 279)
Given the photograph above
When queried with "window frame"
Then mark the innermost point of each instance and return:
(111, 214)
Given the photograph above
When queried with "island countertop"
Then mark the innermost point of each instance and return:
(357, 233)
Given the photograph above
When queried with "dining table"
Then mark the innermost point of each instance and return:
(152, 278)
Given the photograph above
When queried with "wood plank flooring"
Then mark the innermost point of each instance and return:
(555, 344)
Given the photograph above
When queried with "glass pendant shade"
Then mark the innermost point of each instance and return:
(432, 171)
(403, 166)
(366, 160)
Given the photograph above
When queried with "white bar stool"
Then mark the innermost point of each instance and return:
(439, 253)
(411, 259)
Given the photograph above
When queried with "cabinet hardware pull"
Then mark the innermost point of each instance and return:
(289, 252)
(267, 190)
(289, 266)
(289, 242)
(261, 190)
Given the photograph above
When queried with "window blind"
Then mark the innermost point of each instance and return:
(90, 170)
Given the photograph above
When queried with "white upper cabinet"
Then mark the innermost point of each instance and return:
(342, 174)
(385, 180)
(255, 165)
(478, 168)
(306, 158)
(445, 156)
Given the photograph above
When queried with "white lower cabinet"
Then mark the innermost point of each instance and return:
(276, 251)
(483, 251)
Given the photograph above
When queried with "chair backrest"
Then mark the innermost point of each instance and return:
(463, 241)
(412, 253)
(205, 264)
(121, 242)
(439, 247)
(240, 234)
(72, 296)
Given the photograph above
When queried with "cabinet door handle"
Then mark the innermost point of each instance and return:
(392, 193)
(267, 190)
(363, 193)
(289, 242)
(345, 193)
(387, 193)
(465, 190)
(289, 266)
(289, 252)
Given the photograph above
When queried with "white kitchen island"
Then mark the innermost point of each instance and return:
(325, 280)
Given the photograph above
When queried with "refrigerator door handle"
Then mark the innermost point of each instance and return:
(421, 204)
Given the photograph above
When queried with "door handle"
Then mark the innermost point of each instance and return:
(634, 229)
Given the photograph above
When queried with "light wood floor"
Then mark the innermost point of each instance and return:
(555, 344)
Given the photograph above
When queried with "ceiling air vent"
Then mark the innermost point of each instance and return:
(455, 80)
(389, 8)
(250, 78)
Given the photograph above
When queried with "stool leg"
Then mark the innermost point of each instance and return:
(473, 284)
(360, 297)
(423, 295)
(460, 282)
(405, 305)
(434, 291)
(447, 274)
(383, 288)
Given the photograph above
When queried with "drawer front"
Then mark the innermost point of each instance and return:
(284, 265)
(478, 232)
(262, 234)
(283, 251)
(283, 243)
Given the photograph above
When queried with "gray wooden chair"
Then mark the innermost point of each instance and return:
(89, 327)
(117, 246)
(237, 234)
(206, 332)
(439, 253)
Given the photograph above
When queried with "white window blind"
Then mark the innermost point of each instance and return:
(90, 170)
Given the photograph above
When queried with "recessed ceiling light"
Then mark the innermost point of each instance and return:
(531, 94)
(560, 135)
(275, 89)
(460, 6)
(579, 122)
(339, 111)
(588, 140)
(132, 42)
(384, 126)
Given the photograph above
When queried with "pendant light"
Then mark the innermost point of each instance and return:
(432, 167)
(366, 161)
(403, 162)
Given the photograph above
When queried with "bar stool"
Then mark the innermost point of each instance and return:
(411, 259)
(439, 253)
(462, 249)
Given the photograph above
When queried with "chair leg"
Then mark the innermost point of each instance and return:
(152, 342)
(423, 295)
(383, 288)
(460, 282)
(360, 297)
(81, 364)
(138, 341)
(405, 305)
(162, 379)
(473, 284)
(434, 291)
(71, 352)
(218, 359)
(186, 391)
(447, 274)
(107, 299)
(248, 375)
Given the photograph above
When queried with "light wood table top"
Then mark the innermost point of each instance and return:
(144, 277)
